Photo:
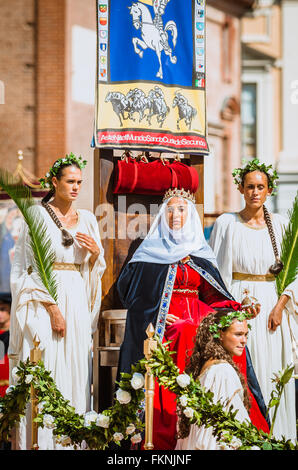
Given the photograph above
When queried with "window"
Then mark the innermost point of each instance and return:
(249, 122)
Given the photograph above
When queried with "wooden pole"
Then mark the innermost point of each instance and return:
(149, 347)
(35, 357)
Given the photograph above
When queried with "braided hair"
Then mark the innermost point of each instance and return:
(67, 239)
(208, 348)
(277, 267)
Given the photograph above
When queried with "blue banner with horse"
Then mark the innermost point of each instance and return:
(150, 85)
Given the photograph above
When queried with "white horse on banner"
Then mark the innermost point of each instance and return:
(154, 35)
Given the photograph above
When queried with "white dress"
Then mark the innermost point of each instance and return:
(243, 249)
(79, 299)
(221, 379)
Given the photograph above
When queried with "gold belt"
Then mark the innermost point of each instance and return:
(186, 291)
(253, 277)
(66, 267)
(3, 383)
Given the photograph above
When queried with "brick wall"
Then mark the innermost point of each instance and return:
(50, 85)
(17, 72)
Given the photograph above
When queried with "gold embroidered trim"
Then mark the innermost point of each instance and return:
(3, 383)
(253, 277)
(66, 267)
(186, 291)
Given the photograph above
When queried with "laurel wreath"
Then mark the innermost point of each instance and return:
(70, 159)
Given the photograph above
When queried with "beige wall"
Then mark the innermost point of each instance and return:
(80, 75)
(223, 93)
(262, 34)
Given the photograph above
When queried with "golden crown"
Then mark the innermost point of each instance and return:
(175, 192)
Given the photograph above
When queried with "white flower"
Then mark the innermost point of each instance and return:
(123, 396)
(9, 389)
(270, 172)
(188, 412)
(47, 185)
(137, 381)
(136, 438)
(224, 446)
(183, 380)
(49, 421)
(90, 417)
(130, 428)
(14, 375)
(183, 400)
(63, 440)
(118, 436)
(235, 443)
(255, 448)
(103, 421)
(28, 378)
(47, 175)
(40, 406)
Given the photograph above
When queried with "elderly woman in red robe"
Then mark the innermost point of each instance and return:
(172, 281)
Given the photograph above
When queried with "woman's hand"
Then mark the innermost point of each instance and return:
(275, 316)
(253, 310)
(57, 319)
(88, 242)
(170, 319)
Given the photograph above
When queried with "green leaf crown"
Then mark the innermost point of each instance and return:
(256, 165)
(46, 182)
(227, 321)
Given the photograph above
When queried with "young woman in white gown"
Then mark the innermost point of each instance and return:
(64, 328)
(246, 245)
(212, 365)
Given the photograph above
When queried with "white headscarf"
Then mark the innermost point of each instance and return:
(164, 246)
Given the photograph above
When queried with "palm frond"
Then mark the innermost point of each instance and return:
(289, 251)
(40, 242)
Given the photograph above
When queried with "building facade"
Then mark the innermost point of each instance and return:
(47, 70)
(269, 92)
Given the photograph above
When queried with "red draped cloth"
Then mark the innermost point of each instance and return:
(191, 308)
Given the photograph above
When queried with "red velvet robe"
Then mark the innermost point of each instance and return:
(191, 309)
(4, 366)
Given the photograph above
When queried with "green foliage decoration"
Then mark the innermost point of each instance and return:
(289, 251)
(123, 419)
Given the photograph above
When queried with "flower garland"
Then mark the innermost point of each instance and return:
(70, 159)
(122, 420)
(256, 165)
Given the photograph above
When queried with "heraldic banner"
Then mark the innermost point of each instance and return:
(150, 85)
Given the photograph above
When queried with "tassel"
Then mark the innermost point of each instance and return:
(67, 239)
(277, 267)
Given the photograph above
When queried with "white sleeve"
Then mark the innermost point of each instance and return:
(92, 277)
(28, 293)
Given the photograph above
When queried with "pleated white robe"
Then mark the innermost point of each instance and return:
(222, 380)
(243, 249)
(79, 299)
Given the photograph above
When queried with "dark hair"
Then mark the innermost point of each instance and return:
(207, 347)
(250, 171)
(67, 238)
(277, 267)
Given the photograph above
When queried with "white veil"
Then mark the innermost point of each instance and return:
(164, 246)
